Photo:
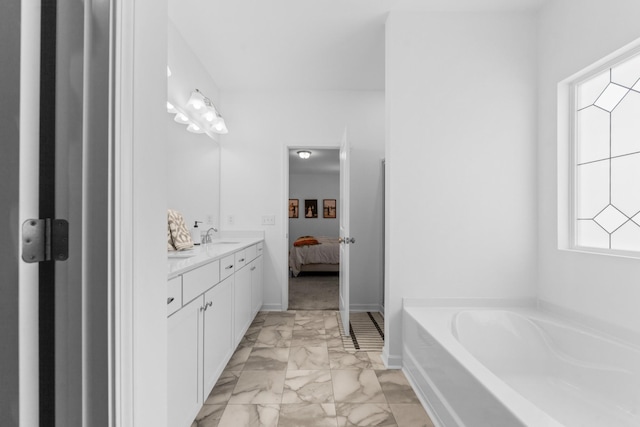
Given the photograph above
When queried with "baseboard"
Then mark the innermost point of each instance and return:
(365, 307)
(391, 361)
(271, 307)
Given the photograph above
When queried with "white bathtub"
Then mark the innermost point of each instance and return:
(518, 367)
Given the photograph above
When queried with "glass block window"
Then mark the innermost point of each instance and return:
(607, 158)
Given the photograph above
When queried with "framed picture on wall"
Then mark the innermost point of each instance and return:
(293, 208)
(329, 208)
(311, 208)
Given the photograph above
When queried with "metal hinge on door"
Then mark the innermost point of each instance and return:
(45, 240)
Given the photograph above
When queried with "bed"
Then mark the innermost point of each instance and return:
(307, 255)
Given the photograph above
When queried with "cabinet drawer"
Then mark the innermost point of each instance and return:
(174, 295)
(241, 259)
(259, 249)
(197, 281)
(227, 265)
(251, 253)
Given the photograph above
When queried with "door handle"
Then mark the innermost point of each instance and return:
(346, 240)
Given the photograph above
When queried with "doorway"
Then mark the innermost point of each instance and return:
(313, 224)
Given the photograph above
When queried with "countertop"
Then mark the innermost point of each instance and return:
(204, 254)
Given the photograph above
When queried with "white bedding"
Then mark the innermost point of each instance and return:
(327, 252)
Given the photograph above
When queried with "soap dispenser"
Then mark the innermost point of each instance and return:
(195, 233)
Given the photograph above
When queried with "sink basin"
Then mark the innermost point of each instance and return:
(182, 254)
(224, 242)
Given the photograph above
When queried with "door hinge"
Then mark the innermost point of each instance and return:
(45, 240)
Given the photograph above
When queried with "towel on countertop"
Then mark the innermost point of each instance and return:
(178, 236)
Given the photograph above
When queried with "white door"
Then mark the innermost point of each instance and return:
(54, 122)
(345, 237)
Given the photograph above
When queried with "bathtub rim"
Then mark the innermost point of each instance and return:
(520, 407)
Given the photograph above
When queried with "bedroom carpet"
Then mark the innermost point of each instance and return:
(317, 292)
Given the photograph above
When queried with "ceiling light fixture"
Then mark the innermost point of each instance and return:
(304, 154)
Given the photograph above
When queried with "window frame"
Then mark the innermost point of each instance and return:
(567, 145)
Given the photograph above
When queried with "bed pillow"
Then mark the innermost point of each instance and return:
(306, 241)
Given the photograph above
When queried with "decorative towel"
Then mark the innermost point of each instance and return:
(179, 235)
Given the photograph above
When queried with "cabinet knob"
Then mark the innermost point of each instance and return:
(228, 267)
(253, 268)
(170, 300)
(241, 260)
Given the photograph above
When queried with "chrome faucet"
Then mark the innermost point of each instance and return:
(207, 237)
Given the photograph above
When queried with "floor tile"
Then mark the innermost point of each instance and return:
(307, 386)
(335, 342)
(364, 414)
(209, 415)
(348, 360)
(376, 360)
(312, 323)
(280, 319)
(330, 322)
(395, 386)
(224, 387)
(237, 361)
(410, 415)
(307, 415)
(356, 386)
(309, 357)
(274, 359)
(308, 337)
(310, 314)
(250, 416)
(273, 336)
(258, 387)
(258, 321)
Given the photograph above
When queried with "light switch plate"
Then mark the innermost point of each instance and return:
(269, 220)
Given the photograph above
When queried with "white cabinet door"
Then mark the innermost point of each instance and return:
(218, 328)
(241, 302)
(184, 379)
(256, 285)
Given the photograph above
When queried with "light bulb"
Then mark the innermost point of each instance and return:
(171, 108)
(181, 118)
(194, 128)
(209, 116)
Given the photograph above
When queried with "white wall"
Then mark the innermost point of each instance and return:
(140, 265)
(261, 125)
(460, 150)
(193, 167)
(313, 186)
(572, 35)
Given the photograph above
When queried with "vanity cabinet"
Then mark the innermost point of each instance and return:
(210, 308)
(199, 346)
(242, 302)
(256, 285)
(217, 332)
(183, 357)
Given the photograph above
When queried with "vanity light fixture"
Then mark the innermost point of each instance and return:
(304, 154)
(200, 115)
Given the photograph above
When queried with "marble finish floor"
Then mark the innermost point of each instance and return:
(291, 370)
